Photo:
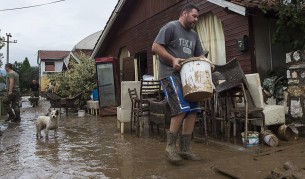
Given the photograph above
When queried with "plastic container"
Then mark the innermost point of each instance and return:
(196, 79)
(288, 133)
(269, 138)
(252, 139)
(81, 113)
(94, 94)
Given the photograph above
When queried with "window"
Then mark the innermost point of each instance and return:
(210, 31)
(49, 66)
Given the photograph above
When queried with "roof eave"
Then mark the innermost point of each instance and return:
(231, 6)
(107, 28)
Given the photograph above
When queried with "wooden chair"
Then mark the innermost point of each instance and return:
(150, 90)
(139, 110)
(236, 86)
(159, 115)
(150, 94)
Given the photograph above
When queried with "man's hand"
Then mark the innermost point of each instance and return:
(212, 67)
(176, 63)
(10, 93)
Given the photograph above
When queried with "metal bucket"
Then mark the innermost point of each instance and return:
(196, 79)
(287, 132)
(269, 138)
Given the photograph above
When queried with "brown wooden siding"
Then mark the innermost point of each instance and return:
(141, 23)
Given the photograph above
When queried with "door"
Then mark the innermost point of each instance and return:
(106, 84)
(128, 69)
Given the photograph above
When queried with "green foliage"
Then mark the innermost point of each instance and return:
(80, 77)
(290, 26)
(26, 73)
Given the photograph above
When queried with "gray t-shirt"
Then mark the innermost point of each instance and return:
(178, 42)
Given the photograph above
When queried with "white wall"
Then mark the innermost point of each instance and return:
(58, 67)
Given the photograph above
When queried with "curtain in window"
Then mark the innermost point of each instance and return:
(210, 31)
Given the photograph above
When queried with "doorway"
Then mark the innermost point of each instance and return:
(142, 64)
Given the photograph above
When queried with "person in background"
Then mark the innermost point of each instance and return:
(175, 42)
(11, 99)
(34, 88)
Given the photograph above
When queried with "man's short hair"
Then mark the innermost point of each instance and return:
(188, 8)
(9, 65)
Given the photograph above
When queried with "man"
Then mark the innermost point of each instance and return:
(11, 99)
(175, 42)
(34, 88)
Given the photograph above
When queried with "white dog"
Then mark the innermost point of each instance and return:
(47, 123)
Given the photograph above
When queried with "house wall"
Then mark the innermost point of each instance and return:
(43, 79)
(141, 23)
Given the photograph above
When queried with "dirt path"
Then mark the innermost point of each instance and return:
(90, 147)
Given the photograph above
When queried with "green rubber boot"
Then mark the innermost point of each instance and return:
(185, 150)
(171, 149)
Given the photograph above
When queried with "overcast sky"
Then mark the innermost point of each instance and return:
(52, 27)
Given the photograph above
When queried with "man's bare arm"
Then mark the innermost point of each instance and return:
(161, 51)
(11, 87)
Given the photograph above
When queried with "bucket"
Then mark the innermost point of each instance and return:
(196, 79)
(287, 132)
(252, 139)
(81, 113)
(95, 95)
(269, 138)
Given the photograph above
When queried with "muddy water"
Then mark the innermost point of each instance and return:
(90, 147)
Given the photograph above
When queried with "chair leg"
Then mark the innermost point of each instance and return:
(137, 126)
(122, 127)
(234, 128)
(205, 125)
(130, 125)
(118, 124)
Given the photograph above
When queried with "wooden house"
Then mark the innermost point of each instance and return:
(228, 29)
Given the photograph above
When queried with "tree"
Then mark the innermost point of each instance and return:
(290, 25)
(80, 77)
(26, 73)
(2, 44)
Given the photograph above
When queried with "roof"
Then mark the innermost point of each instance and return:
(254, 3)
(89, 42)
(109, 23)
(52, 54)
(237, 6)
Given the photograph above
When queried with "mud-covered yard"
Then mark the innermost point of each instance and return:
(91, 147)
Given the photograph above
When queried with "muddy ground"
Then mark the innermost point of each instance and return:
(91, 147)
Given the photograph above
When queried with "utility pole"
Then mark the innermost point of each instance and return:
(8, 35)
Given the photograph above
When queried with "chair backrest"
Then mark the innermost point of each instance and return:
(150, 89)
(255, 88)
(232, 74)
(133, 94)
(125, 98)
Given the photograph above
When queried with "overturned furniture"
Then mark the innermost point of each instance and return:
(61, 102)
(73, 102)
(56, 101)
(236, 87)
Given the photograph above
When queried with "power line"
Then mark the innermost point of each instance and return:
(25, 7)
